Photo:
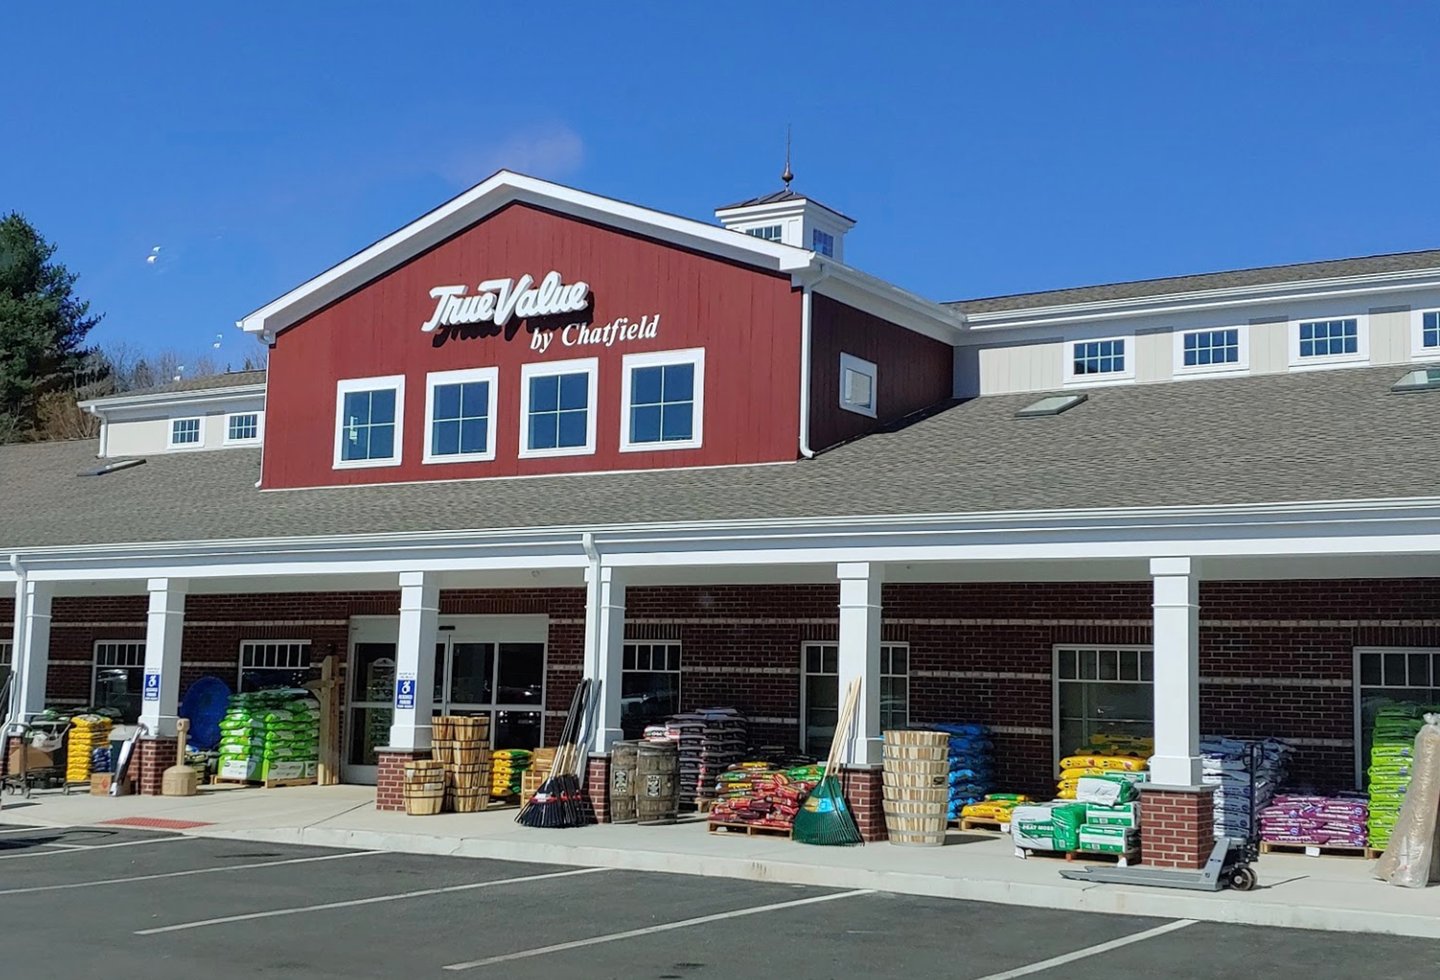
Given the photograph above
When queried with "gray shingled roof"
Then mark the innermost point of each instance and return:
(231, 379)
(1330, 435)
(1367, 265)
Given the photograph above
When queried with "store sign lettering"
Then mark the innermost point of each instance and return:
(598, 335)
(458, 312)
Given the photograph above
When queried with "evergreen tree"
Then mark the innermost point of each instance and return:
(42, 326)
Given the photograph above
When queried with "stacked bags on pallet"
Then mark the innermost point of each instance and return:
(1105, 755)
(88, 733)
(507, 771)
(1318, 821)
(755, 793)
(995, 806)
(972, 765)
(270, 735)
(1392, 763)
(1104, 818)
(1227, 763)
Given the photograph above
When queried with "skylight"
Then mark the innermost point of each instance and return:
(1051, 405)
(1423, 379)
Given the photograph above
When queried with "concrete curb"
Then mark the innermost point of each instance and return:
(1224, 907)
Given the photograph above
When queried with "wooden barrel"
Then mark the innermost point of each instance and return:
(424, 787)
(623, 759)
(916, 785)
(657, 782)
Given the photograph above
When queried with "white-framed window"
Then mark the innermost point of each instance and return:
(1390, 675)
(771, 233)
(272, 663)
(1100, 360)
(1333, 340)
(662, 400)
(557, 408)
(242, 427)
(1425, 335)
(1212, 350)
(369, 421)
(858, 381)
(118, 681)
(822, 242)
(649, 684)
(460, 415)
(820, 692)
(1103, 689)
(186, 434)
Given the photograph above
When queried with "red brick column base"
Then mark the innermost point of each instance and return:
(597, 786)
(1177, 825)
(152, 757)
(390, 776)
(865, 793)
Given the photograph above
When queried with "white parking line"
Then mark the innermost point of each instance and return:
(184, 874)
(649, 930)
(299, 909)
(72, 848)
(1089, 951)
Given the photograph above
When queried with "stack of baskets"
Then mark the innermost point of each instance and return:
(462, 746)
(424, 787)
(917, 786)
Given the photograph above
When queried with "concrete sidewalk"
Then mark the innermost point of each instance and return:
(1298, 892)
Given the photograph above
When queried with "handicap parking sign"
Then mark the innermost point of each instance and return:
(405, 692)
(152, 687)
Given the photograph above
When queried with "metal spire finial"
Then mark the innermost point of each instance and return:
(787, 176)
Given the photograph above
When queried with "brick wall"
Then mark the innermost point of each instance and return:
(597, 786)
(152, 757)
(865, 794)
(390, 777)
(1177, 828)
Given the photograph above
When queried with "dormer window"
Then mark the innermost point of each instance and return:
(1101, 360)
(186, 434)
(822, 242)
(857, 385)
(771, 233)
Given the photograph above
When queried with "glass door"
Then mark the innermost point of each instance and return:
(503, 680)
(372, 690)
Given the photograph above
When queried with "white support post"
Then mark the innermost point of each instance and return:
(1177, 672)
(414, 692)
(31, 653)
(605, 649)
(859, 654)
(164, 629)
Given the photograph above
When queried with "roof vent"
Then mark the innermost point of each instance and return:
(1050, 405)
(119, 464)
(1424, 379)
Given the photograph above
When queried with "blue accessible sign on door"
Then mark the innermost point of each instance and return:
(405, 692)
(152, 687)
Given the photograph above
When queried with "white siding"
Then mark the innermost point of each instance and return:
(1269, 346)
(1154, 356)
(1390, 335)
(1025, 367)
(137, 437)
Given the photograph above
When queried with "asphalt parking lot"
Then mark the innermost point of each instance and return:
(122, 902)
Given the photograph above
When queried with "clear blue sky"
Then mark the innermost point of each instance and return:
(983, 148)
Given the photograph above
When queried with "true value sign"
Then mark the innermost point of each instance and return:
(460, 313)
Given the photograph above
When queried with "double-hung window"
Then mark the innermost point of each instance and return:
(242, 427)
(1427, 334)
(1328, 341)
(369, 418)
(1211, 350)
(662, 400)
(858, 378)
(119, 679)
(186, 433)
(820, 692)
(557, 408)
(460, 416)
(1102, 691)
(273, 663)
(649, 684)
(1106, 359)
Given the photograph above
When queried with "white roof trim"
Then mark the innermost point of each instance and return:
(489, 196)
(156, 399)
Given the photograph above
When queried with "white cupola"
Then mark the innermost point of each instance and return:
(791, 218)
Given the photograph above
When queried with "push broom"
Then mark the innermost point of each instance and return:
(557, 802)
(825, 817)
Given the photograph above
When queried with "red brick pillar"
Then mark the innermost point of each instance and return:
(865, 794)
(597, 786)
(152, 757)
(1177, 825)
(390, 776)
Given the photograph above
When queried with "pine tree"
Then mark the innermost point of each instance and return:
(43, 326)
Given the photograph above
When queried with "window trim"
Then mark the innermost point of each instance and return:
(1057, 753)
(1418, 350)
(1362, 342)
(694, 356)
(541, 369)
(257, 641)
(679, 671)
(199, 443)
(759, 231)
(95, 668)
(849, 362)
(489, 375)
(252, 441)
(1072, 380)
(1240, 366)
(801, 723)
(348, 385)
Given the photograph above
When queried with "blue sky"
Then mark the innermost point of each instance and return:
(983, 148)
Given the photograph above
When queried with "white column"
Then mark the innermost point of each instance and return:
(859, 654)
(30, 655)
(415, 660)
(164, 629)
(605, 649)
(1177, 672)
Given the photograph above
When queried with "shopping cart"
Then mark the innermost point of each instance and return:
(44, 735)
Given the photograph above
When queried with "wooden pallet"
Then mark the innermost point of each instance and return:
(266, 783)
(750, 829)
(1315, 850)
(1123, 860)
(1374, 853)
(976, 823)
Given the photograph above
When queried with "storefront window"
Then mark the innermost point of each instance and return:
(273, 663)
(649, 685)
(119, 678)
(821, 692)
(1102, 690)
(1387, 675)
